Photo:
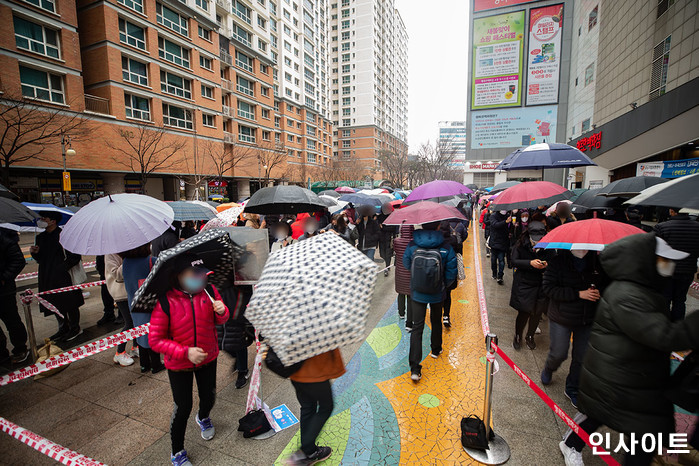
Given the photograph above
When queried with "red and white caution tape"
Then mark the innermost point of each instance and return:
(694, 286)
(80, 286)
(30, 275)
(75, 354)
(47, 447)
(485, 324)
(28, 296)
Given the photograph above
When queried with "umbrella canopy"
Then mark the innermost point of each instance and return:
(472, 187)
(423, 212)
(189, 211)
(630, 187)
(328, 201)
(397, 203)
(592, 235)
(503, 186)
(334, 204)
(277, 200)
(301, 304)
(589, 200)
(64, 211)
(363, 199)
(224, 219)
(437, 191)
(206, 205)
(6, 193)
(14, 212)
(217, 252)
(116, 223)
(545, 155)
(577, 192)
(330, 192)
(226, 206)
(344, 189)
(530, 194)
(680, 192)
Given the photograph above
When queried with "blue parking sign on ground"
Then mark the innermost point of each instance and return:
(284, 417)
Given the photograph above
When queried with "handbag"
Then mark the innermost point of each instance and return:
(274, 364)
(254, 423)
(460, 270)
(683, 387)
(77, 272)
(473, 433)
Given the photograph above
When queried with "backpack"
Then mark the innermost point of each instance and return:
(427, 271)
(165, 304)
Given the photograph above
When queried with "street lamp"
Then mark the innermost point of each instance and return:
(65, 179)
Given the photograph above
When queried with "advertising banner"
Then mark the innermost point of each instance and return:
(544, 57)
(498, 45)
(513, 127)
(668, 169)
(483, 5)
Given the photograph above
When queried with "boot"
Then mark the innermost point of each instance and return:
(144, 359)
(517, 342)
(155, 362)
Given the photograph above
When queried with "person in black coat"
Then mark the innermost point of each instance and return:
(454, 234)
(107, 300)
(527, 296)
(499, 242)
(235, 336)
(561, 215)
(368, 230)
(11, 264)
(386, 235)
(572, 281)
(169, 239)
(54, 264)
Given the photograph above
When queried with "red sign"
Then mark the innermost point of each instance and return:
(218, 184)
(593, 142)
(484, 166)
(483, 5)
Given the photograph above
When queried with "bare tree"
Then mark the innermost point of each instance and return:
(395, 166)
(269, 157)
(226, 158)
(28, 131)
(146, 149)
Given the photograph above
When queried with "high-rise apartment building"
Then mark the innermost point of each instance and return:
(452, 137)
(369, 81)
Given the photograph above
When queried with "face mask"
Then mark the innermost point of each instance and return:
(579, 253)
(503, 212)
(193, 285)
(665, 268)
(525, 219)
(41, 223)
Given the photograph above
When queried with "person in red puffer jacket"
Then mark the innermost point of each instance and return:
(183, 329)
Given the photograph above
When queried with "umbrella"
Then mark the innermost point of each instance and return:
(14, 212)
(217, 252)
(589, 200)
(503, 186)
(328, 201)
(226, 206)
(301, 304)
(116, 223)
(680, 192)
(189, 211)
(545, 155)
(437, 191)
(64, 211)
(577, 192)
(423, 212)
(205, 204)
(362, 199)
(530, 194)
(6, 193)
(472, 187)
(345, 190)
(330, 192)
(334, 205)
(592, 234)
(629, 187)
(453, 202)
(397, 203)
(224, 219)
(213, 204)
(289, 199)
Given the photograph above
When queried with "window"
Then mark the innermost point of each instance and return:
(265, 114)
(241, 35)
(177, 116)
(261, 22)
(207, 91)
(346, 101)
(345, 24)
(290, 137)
(44, 4)
(208, 120)
(663, 6)
(311, 157)
(277, 122)
(264, 91)
(241, 11)
(586, 125)
(346, 144)
(264, 69)
(41, 85)
(136, 5)
(262, 45)
(592, 18)
(246, 134)
(204, 33)
(245, 86)
(134, 71)
(245, 110)
(175, 85)
(658, 74)
(346, 133)
(36, 38)
(206, 63)
(265, 135)
(345, 36)
(171, 19)
(203, 4)
(173, 53)
(243, 61)
(345, 68)
(589, 74)
(136, 107)
(346, 79)
(132, 35)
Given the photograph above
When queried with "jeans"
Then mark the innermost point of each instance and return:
(369, 253)
(405, 307)
(558, 351)
(181, 383)
(10, 316)
(419, 313)
(125, 313)
(140, 318)
(497, 262)
(316, 400)
(676, 295)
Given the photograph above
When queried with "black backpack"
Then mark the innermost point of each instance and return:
(165, 304)
(427, 271)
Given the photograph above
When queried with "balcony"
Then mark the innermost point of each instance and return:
(246, 138)
(245, 114)
(226, 85)
(226, 5)
(226, 58)
(228, 138)
(245, 90)
(96, 104)
(226, 110)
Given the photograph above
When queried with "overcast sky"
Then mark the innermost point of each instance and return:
(438, 32)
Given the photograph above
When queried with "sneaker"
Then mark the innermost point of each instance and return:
(20, 357)
(59, 335)
(531, 344)
(435, 356)
(446, 321)
(321, 454)
(546, 376)
(517, 342)
(501, 281)
(409, 327)
(180, 459)
(538, 331)
(106, 319)
(401, 316)
(415, 376)
(207, 428)
(135, 352)
(487, 254)
(572, 456)
(385, 273)
(123, 359)
(119, 320)
(573, 398)
(242, 380)
(494, 277)
(72, 334)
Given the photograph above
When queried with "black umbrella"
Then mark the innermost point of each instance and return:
(287, 199)
(12, 212)
(6, 193)
(680, 192)
(217, 252)
(503, 186)
(589, 200)
(473, 187)
(629, 187)
(331, 193)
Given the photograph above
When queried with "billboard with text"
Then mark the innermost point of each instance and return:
(513, 127)
(544, 57)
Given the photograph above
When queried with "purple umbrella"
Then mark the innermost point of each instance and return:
(423, 212)
(437, 191)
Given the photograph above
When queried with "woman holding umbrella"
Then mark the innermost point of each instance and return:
(386, 234)
(368, 229)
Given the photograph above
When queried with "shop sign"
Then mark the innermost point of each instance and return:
(589, 143)
(218, 184)
(544, 57)
(483, 166)
(668, 169)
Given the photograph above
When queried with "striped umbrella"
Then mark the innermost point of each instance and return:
(189, 211)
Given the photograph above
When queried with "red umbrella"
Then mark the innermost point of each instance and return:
(396, 204)
(423, 212)
(531, 194)
(344, 189)
(592, 235)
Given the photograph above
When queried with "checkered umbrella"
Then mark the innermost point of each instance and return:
(215, 248)
(301, 303)
(186, 211)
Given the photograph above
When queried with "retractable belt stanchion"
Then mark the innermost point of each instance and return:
(498, 451)
(27, 306)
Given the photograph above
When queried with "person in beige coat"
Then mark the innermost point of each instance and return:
(115, 284)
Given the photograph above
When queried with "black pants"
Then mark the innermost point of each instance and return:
(125, 313)
(676, 295)
(419, 313)
(10, 316)
(405, 307)
(181, 383)
(532, 317)
(447, 299)
(316, 401)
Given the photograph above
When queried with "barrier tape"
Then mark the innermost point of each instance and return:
(30, 275)
(47, 447)
(384, 269)
(28, 296)
(694, 286)
(73, 287)
(485, 324)
(75, 354)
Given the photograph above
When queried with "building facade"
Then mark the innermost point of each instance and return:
(452, 136)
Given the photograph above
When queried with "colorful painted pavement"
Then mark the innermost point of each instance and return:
(382, 417)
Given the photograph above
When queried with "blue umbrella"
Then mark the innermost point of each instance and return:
(189, 211)
(362, 199)
(545, 155)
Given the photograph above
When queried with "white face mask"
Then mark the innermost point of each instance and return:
(503, 212)
(525, 219)
(579, 253)
(41, 223)
(665, 268)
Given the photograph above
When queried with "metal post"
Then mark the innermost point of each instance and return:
(27, 306)
(498, 451)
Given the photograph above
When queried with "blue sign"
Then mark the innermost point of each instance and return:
(284, 417)
(677, 168)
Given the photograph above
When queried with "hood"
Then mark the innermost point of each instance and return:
(632, 259)
(428, 238)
